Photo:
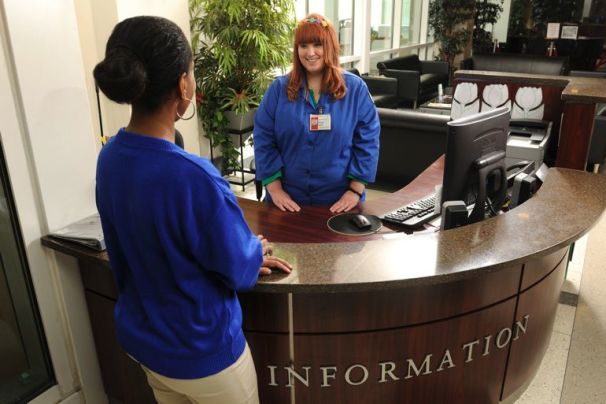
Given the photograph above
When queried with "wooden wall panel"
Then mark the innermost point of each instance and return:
(270, 350)
(537, 268)
(540, 302)
(97, 276)
(266, 312)
(577, 126)
(477, 381)
(123, 378)
(363, 311)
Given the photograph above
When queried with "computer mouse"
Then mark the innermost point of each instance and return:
(361, 222)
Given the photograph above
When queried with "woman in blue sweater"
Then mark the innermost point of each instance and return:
(177, 241)
(316, 130)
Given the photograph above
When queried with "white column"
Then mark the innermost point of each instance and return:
(362, 34)
(45, 122)
(499, 30)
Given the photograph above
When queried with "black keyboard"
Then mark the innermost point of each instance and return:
(414, 214)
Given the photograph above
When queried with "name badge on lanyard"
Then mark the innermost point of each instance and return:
(319, 122)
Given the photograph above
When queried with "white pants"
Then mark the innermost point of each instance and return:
(236, 384)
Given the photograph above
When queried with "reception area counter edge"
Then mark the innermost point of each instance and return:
(463, 315)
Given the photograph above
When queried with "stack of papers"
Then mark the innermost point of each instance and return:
(87, 232)
(438, 105)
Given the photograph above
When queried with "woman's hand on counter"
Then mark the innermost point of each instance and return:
(267, 250)
(280, 198)
(270, 262)
(347, 202)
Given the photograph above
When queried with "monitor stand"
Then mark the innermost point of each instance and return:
(489, 167)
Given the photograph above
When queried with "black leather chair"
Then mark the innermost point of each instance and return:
(517, 63)
(383, 90)
(418, 80)
(410, 142)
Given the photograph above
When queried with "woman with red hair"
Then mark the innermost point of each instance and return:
(316, 130)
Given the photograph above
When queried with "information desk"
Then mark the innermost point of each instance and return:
(463, 315)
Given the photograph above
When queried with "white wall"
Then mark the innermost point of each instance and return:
(45, 123)
(499, 30)
(49, 128)
(177, 11)
(96, 19)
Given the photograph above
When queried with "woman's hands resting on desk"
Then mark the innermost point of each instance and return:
(284, 202)
(280, 198)
(270, 261)
(349, 199)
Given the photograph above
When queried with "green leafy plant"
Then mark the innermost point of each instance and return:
(530, 18)
(237, 45)
(449, 22)
(486, 13)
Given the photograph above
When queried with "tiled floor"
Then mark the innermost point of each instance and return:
(573, 370)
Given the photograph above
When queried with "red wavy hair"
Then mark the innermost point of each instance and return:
(317, 29)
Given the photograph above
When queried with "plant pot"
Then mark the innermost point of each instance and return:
(240, 123)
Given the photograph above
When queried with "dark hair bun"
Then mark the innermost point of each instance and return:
(121, 76)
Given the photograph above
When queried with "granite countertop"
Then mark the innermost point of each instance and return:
(578, 89)
(567, 205)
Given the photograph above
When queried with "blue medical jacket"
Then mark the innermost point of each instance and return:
(315, 165)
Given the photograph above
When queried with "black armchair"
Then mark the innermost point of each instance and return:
(384, 90)
(418, 80)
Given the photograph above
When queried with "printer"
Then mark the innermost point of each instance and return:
(527, 140)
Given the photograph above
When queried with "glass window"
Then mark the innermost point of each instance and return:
(25, 368)
(410, 22)
(339, 12)
(381, 27)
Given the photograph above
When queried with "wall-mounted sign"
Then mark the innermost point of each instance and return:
(569, 32)
(553, 30)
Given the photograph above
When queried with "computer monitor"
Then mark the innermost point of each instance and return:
(474, 169)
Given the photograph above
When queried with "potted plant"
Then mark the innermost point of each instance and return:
(237, 45)
(449, 20)
(487, 13)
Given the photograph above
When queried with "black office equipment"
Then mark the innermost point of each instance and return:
(524, 187)
(344, 224)
(361, 222)
(454, 214)
(414, 214)
(474, 170)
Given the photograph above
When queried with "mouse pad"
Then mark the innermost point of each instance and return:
(342, 224)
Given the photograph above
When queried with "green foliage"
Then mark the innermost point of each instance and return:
(448, 21)
(530, 18)
(518, 15)
(237, 46)
(552, 11)
(486, 13)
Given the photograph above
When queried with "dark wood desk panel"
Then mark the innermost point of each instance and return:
(389, 297)
(476, 381)
(386, 309)
(540, 303)
(538, 268)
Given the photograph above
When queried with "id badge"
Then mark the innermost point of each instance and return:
(319, 122)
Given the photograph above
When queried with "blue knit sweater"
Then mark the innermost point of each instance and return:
(179, 248)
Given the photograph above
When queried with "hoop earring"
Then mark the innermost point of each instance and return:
(193, 112)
